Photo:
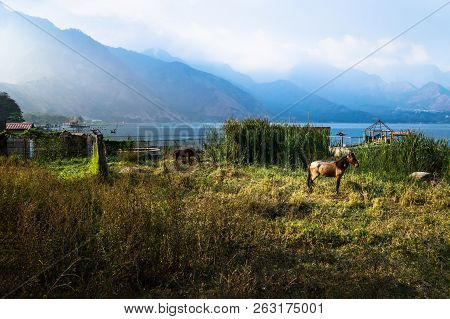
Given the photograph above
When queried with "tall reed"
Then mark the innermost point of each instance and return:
(415, 152)
(256, 141)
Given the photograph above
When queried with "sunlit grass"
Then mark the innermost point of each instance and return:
(70, 168)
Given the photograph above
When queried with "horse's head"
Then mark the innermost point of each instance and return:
(351, 158)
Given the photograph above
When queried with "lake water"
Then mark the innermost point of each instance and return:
(195, 130)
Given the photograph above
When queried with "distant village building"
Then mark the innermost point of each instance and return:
(76, 126)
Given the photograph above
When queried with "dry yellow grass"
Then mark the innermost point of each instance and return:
(221, 231)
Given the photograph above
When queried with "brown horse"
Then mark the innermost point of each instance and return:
(185, 153)
(330, 169)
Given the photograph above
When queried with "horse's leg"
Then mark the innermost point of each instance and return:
(338, 183)
(308, 180)
(311, 178)
(176, 164)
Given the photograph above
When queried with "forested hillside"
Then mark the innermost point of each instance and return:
(9, 110)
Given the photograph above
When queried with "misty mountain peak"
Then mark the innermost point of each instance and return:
(433, 87)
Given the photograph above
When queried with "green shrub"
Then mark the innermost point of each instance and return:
(113, 147)
(58, 145)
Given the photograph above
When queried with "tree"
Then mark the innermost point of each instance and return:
(9, 110)
(15, 117)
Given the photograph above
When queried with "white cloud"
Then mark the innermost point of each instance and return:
(343, 52)
(248, 51)
(417, 55)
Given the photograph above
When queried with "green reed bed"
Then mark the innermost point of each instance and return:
(413, 153)
(256, 141)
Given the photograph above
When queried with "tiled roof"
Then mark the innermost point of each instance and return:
(19, 126)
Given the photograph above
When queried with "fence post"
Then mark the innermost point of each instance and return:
(3, 144)
(98, 161)
(102, 164)
(90, 140)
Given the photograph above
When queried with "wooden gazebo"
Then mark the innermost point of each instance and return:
(378, 132)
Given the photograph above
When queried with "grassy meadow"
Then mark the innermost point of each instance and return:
(228, 227)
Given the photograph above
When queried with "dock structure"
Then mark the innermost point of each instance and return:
(77, 127)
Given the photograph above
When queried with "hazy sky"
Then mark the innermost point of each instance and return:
(256, 36)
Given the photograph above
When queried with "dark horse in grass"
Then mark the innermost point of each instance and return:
(186, 153)
(330, 169)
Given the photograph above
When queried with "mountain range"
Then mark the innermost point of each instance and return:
(354, 97)
(66, 72)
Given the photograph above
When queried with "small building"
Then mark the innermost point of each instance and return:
(19, 127)
(379, 133)
(16, 145)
